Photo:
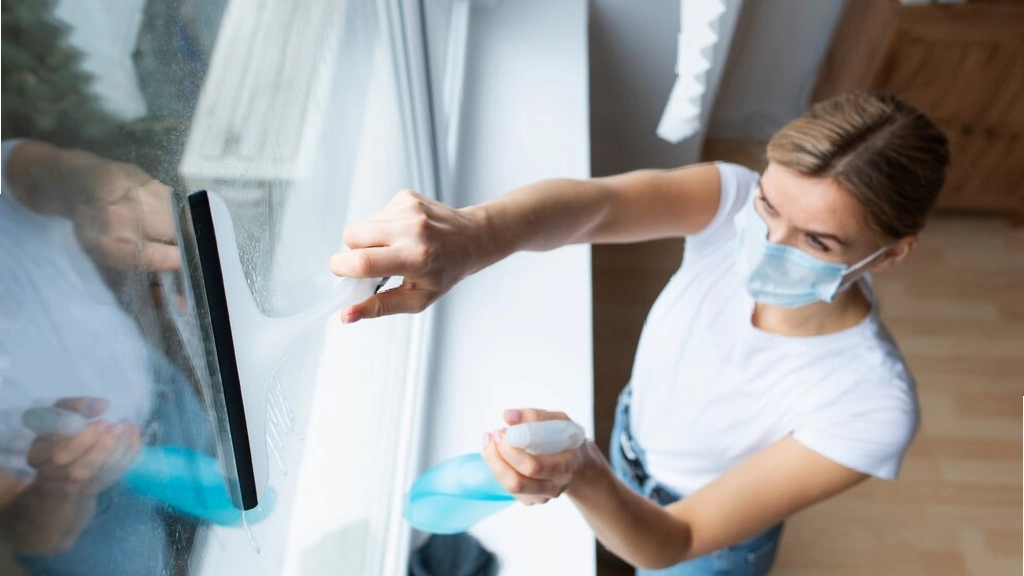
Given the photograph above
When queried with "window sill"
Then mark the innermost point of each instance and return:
(519, 334)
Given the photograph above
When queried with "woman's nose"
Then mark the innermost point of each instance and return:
(778, 234)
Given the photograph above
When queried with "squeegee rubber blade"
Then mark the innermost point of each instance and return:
(220, 322)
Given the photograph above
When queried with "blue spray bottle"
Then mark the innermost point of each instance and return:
(457, 493)
(188, 481)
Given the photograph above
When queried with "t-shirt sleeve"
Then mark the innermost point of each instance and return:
(868, 434)
(737, 181)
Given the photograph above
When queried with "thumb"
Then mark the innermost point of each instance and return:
(399, 300)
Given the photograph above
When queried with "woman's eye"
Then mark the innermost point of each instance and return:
(767, 205)
(817, 243)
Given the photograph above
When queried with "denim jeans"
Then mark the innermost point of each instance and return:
(752, 557)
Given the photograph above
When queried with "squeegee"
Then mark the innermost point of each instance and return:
(244, 347)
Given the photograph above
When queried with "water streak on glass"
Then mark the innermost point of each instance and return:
(248, 532)
(280, 423)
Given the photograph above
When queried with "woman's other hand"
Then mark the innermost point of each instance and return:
(535, 479)
(88, 462)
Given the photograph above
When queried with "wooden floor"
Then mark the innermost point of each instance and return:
(956, 307)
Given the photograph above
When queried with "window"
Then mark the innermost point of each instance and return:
(447, 31)
(303, 116)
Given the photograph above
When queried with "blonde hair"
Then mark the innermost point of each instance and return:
(883, 151)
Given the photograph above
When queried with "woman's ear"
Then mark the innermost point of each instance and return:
(895, 254)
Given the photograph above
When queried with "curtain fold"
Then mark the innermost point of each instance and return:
(700, 25)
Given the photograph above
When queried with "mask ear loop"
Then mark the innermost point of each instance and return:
(866, 261)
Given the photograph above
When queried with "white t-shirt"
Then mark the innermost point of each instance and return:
(62, 331)
(710, 389)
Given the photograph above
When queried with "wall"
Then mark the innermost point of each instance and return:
(632, 61)
(778, 47)
(773, 59)
(517, 334)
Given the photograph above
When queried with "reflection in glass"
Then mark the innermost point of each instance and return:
(78, 233)
(290, 111)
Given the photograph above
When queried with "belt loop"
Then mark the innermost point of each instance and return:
(649, 486)
(627, 449)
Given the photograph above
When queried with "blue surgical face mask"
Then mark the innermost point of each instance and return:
(780, 275)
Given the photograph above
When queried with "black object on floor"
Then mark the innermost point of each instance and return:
(453, 555)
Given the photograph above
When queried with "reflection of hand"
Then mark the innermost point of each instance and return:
(430, 244)
(124, 219)
(88, 462)
(122, 215)
(533, 479)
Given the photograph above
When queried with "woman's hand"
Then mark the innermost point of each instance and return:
(431, 245)
(47, 515)
(88, 462)
(535, 479)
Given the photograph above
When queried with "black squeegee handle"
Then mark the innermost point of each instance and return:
(226, 370)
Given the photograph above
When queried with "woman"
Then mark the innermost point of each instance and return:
(764, 380)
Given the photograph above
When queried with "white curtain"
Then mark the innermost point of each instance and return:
(105, 32)
(700, 31)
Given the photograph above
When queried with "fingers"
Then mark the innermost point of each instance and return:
(406, 197)
(87, 406)
(105, 449)
(555, 467)
(154, 210)
(132, 447)
(116, 180)
(90, 461)
(405, 215)
(379, 262)
(527, 490)
(134, 230)
(127, 253)
(159, 257)
(68, 450)
(114, 464)
(373, 233)
(397, 241)
(429, 244)
(401, 300)
(49, 455)
(521, 415)
(528, 476)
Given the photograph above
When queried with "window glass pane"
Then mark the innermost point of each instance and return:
(290, 111)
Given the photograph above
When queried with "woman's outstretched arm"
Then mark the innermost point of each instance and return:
(433, 246)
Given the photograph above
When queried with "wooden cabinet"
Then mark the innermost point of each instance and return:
(963, 65)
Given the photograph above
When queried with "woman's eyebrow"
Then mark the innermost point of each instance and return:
(823, 235)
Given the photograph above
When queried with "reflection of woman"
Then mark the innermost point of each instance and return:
(764, 380)
(65, 340)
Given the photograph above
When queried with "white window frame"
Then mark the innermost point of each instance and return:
(404, 33)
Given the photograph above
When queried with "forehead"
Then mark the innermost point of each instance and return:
(818, 204)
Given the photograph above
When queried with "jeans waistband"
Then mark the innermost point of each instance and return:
(632, 455)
